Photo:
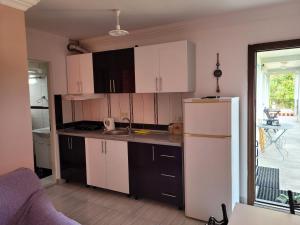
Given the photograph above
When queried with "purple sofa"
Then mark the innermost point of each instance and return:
(22, 201)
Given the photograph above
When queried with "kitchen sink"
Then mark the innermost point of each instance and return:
(117, 132)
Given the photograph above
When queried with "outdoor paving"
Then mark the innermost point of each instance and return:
(289, 167)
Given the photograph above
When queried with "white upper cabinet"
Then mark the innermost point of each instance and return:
(80, 74)
(146, 69)
(168, 67)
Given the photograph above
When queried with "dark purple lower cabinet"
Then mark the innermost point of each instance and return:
(72, 158)
(155, 172)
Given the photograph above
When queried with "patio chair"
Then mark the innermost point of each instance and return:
(292, 203)
(213, 221)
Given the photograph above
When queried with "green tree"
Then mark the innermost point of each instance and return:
(282, 89)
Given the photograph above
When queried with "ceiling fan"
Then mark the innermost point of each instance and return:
(118, 31)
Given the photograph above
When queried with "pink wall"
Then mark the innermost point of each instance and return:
(16, 148)
(229, 35)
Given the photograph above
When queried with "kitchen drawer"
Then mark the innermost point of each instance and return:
(168, 154)
(156, 172)
(169, 159)
(170, 191)
(170, 170)
(169, 184)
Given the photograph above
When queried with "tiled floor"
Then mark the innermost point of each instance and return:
(47, 181)
(289, 167)
(91, 206)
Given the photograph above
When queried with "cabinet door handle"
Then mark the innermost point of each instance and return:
(110, 89)
(153, 154)
(71, 142)
(168, 195)
(81, 87)
(167, 175)
(156, 87)
(114, 86)
(105, 147)
(102, 146)
(168, 156)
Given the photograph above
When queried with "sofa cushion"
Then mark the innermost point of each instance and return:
(38, 210)
(15, 189)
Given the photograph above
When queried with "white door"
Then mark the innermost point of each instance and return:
(146, 69)
(73, 74)
(207, 118)
(86, 73)
(173, 67)
(207, 176)
(95, 162)
(117, 172)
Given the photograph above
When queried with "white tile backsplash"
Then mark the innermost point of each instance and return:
(92, 110)
(40, 117)
(148, 108)
(37, 91)
(164, 114)
(176, 106)
(169, 108)
(124, 106)
(138, 108)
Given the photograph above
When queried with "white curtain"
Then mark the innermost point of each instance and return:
(262, 92)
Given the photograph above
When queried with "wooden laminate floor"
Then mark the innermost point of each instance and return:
(91, 206)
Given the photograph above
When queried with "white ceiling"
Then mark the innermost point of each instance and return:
(87, 18)
(286, 59)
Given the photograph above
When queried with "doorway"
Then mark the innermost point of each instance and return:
(273, 122)
(39, 103)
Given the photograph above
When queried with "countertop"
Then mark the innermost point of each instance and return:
(154, 137)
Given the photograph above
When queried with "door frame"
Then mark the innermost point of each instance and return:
(53, 137)
(252, 50)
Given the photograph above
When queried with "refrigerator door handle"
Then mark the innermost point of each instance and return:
(208, 135)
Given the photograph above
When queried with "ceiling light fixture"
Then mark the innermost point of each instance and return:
(118, 32)
(283, 65)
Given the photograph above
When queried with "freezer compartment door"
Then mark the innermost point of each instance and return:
(207, 118)
(207, 176)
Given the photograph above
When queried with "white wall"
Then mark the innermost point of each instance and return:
(52, 49)
(229, 35)
(38, 88)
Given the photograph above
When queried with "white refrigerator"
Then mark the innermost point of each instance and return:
(211, 156)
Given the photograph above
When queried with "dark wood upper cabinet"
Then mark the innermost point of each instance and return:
(114, 71)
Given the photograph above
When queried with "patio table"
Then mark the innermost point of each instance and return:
(275, 135)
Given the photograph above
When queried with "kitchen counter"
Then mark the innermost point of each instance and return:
(156, 137)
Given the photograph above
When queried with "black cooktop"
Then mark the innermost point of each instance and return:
(84, 125)
(87, 127)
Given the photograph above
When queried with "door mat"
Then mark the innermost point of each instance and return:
(267, 177)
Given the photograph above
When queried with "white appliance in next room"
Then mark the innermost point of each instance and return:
(211, 156)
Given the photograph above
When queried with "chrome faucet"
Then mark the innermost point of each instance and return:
(130, 124)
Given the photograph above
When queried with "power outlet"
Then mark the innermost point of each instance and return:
(123, 114)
